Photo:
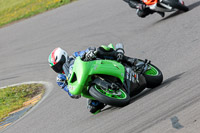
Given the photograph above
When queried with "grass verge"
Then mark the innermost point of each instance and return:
(12, 10)
(12, 98)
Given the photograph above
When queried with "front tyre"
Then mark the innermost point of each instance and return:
(176, 4)
(117, 98)
(153, 76)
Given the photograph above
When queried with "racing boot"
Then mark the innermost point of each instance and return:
(95, 106)
(162, 14)
(145, 12)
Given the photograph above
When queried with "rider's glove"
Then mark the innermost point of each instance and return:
(120, 56)
(90, 55)
(61, 80)
(72, 96)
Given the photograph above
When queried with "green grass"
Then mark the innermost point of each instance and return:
(12, 10)
(12, 98)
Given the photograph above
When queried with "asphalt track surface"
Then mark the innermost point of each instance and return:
(171, 43)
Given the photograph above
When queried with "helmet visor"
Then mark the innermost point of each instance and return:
(58, 67)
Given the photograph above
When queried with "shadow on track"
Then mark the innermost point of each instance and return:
(194, 5)
(147, 91)
(170, 16)
(166, 83)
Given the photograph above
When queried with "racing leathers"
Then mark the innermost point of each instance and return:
(102, 52)
(141, 9)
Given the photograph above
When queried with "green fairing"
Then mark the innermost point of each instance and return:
(111, 46)
(82, 72)
(105, 47)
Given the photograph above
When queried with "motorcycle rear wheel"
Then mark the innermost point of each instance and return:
(176, 4)
(110, 97)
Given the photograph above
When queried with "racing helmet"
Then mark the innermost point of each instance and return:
(57, 58)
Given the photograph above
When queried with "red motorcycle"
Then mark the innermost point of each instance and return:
(166, 5)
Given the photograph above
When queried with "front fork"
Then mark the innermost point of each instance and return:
(164, 5)
(134, 82)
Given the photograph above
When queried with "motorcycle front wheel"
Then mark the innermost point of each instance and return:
(108, 96)
(153, 76)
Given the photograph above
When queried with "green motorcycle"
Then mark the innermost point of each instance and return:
(112, 82)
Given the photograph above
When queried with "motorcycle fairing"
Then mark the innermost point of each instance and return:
(150, 2)
(82, 72)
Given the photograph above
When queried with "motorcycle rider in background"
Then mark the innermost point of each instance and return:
(141, 9)
(62, 64)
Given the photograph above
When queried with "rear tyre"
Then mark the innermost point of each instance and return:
(114, 98)
(176, 4)
(154, 77)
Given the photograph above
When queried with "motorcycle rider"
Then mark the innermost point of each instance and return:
(62, 64)
(142, 10)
